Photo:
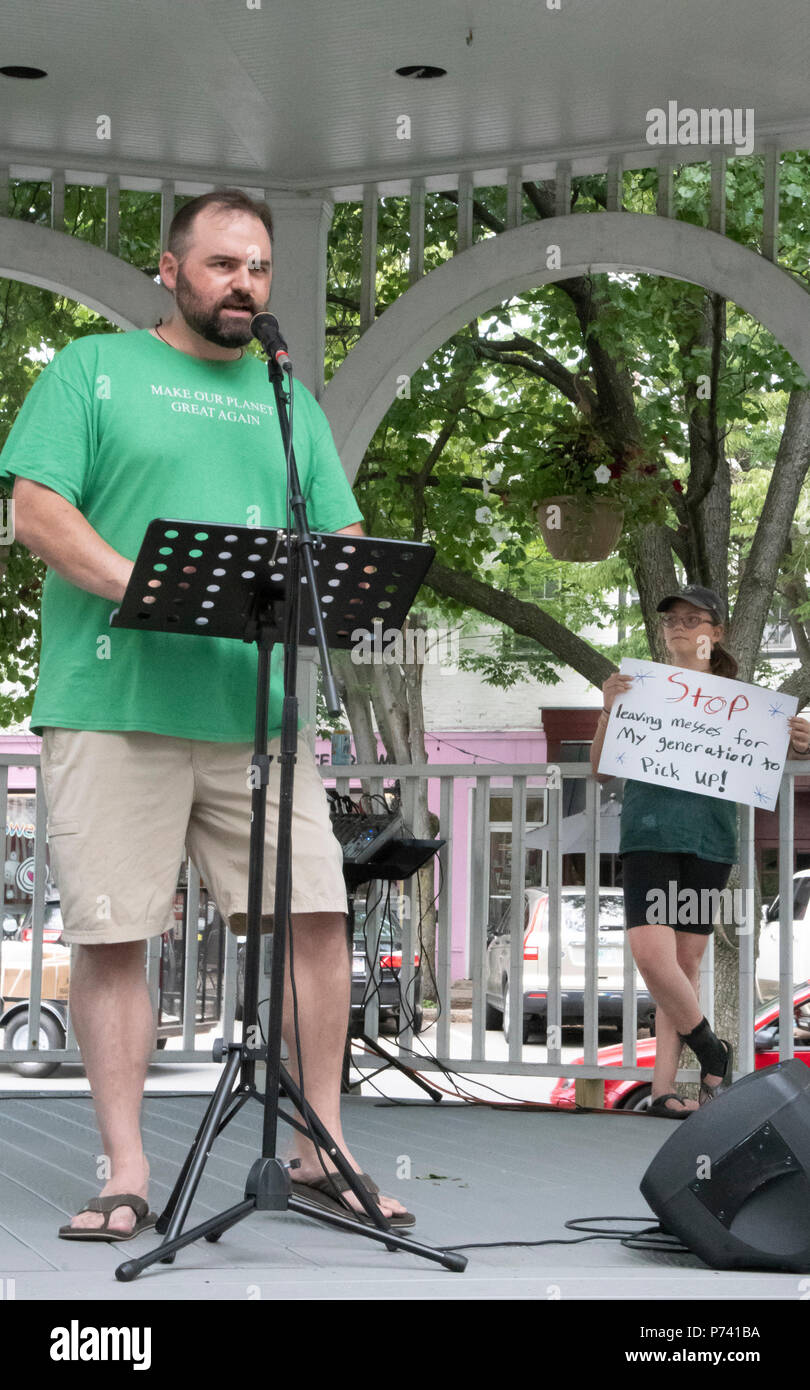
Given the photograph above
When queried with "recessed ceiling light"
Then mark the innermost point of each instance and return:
(421, 71)
(13, 70)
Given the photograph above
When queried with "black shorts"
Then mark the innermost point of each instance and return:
(647, 872)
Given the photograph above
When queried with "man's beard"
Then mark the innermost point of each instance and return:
(211, 324)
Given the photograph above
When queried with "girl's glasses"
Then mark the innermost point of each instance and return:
(668, 620)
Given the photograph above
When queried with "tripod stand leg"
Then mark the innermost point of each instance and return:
(327, 1143)
(167, 1251)
(172, 1218)
(163, 1220)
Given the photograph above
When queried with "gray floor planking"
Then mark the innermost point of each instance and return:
(476, 1175)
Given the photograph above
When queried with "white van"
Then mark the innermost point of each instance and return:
(768, 957)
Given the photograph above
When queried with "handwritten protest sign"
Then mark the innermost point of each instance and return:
(703, 733)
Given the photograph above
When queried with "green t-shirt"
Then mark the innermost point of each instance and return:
(128, 428)
(674, 821)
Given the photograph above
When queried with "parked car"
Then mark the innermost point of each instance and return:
(390, 955)
(629, 1093)
(572, 960)
(767, 974)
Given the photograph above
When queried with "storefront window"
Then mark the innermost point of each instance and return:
(500, 847)
(18, 869)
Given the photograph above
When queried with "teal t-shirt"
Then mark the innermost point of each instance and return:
(128, 428)
(673, 821)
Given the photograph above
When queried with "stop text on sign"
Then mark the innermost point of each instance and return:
(712, 703)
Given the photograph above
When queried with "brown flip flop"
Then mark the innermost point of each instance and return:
(144, 1218)
(325, 1193)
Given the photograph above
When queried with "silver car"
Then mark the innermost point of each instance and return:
(610, 960)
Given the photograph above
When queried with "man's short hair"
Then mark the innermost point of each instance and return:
(233, 200)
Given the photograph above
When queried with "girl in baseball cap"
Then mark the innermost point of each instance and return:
(675, 838)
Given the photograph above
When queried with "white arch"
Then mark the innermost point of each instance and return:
(363, 387)
(65, 264)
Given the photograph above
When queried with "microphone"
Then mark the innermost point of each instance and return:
(265, 328)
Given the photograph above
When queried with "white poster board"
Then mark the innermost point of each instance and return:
(700, 732)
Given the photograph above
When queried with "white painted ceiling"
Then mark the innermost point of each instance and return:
(304, 95)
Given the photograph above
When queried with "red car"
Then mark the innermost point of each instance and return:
(629, 1093)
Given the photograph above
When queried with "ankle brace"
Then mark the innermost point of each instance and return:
(707, 1047)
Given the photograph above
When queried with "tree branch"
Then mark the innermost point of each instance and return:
(527, 619)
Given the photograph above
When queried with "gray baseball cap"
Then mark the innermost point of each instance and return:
(703, 598)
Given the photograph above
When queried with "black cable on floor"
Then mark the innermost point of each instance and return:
(632, 1240)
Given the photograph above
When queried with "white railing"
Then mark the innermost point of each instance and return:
(470, 907)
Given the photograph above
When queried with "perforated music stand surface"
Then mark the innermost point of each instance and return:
(205, 579)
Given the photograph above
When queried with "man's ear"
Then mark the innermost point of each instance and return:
(167, 267)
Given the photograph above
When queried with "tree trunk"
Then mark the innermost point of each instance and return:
(390, 693)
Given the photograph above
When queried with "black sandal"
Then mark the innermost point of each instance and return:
(326, 1193)
(661, 1110)
(144, 1218)
(708, 1092)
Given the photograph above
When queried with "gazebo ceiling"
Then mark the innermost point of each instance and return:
(306, 95)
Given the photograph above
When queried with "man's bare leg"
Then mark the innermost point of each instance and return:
(323, 987)
(114, 1024)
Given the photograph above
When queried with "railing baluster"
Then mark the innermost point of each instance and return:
(770, 204)
(38, 923)
(416, 250)
(665, 197)
(153, 951)
(190, 953)
(465, 213)
(517, 889)
(166, 211)
(717, 216)
(745, 943)
(514, 197)
(229, 985)
(58, 201)
(786, 860)
(613, 190)
(112, 220)
(479, 912)
(553, 999)
(562, 188)
(629, 1006)
(368, 268)
(444, 922)
(592, 904)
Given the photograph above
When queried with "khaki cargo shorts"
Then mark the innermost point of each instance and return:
(125, 808)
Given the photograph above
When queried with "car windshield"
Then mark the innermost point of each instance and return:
(611, 911)
(387, 931)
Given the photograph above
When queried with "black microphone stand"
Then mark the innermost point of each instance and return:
(268, 1186)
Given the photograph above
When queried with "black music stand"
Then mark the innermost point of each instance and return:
(205, 579)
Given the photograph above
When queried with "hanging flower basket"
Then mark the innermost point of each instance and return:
(586, 527)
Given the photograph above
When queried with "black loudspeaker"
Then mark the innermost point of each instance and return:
(733, 1184)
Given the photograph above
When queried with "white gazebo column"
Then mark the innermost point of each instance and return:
(298, 291)
(301, 225)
